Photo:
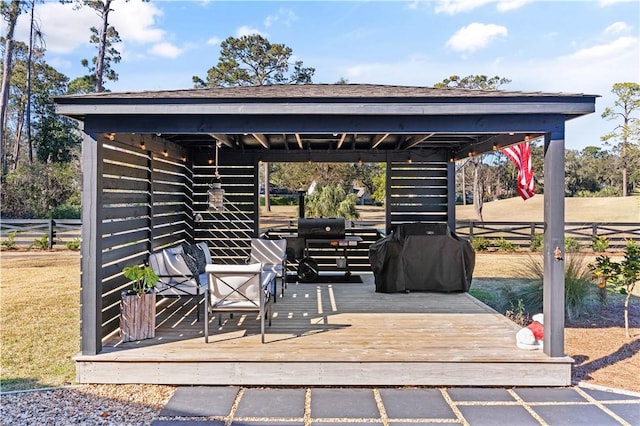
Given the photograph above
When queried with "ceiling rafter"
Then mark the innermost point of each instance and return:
(341, 141)
(224, 139)
(379, 139)
(264, 141)
(414, 140)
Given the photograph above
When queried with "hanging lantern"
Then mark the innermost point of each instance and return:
(216, 195)
(215, 192)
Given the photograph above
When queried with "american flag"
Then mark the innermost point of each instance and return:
(521, 156)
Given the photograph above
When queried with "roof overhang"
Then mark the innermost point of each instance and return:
(331, 117)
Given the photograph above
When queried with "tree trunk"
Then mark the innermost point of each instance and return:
(267, 193)
(29, 65)
(478, 199)
(102, 45)
(13, 14)
(464, 187)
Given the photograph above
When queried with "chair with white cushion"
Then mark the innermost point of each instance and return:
(238, 289)
(273, 255)
(175, 277)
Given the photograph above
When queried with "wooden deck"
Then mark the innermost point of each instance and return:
(333, 334)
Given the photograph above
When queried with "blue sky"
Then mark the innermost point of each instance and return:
(557, 46)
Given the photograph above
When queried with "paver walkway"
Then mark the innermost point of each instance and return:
(317, 406)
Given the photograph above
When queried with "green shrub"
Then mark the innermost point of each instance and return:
(599, 244)
(537, 242)
(578, 289)
(65, 211)
(74, 244)
(41, 243)
(580, 297)
(10, 242)
(518, 315)
(480, 244)
(571, 245)
(505, 245)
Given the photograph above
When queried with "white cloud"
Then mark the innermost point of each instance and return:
(507, 5)
(452, 7)
(617, 28)
(284, 16)
(620, 46)
(64, 28)
(475, 36)
(165, 50)
(246, 30)
(214, 41)
(135, 22)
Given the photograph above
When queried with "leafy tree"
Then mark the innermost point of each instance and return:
(475, 82)
(620, 277)
(627, 131)
(252, 60)
(55, 138)
(331, 201)
(379, 193)
(297, 176)
(31, 191)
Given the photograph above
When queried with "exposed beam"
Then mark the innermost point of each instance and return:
(378, 140)
(224, 139)
(341, 141)
(415, 140)
(299, 140)
(262, 139)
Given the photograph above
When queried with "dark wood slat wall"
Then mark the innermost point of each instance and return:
(227, 233)
(417, 191)
(147, 206)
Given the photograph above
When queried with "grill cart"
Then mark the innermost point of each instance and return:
(320, 232)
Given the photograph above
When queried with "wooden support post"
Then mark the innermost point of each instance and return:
(554, 253)
(91, 248)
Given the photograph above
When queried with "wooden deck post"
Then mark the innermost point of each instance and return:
(91, 248)
(554, 253)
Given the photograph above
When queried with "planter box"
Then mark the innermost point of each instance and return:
(137, 316)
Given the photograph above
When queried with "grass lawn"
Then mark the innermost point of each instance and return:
(39, 318)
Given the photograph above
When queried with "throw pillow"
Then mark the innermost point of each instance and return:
(191, 264)
(200, 258)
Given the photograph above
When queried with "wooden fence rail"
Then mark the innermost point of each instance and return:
(521, 234)
(26, 231)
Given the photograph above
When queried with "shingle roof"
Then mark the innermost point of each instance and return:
(317, 91)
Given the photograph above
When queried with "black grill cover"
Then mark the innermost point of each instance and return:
(422, 257)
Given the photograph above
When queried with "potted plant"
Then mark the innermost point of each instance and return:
(138, 305)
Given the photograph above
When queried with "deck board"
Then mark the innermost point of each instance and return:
(321, 331)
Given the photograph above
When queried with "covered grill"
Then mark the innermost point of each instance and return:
(422, 257)
(329, 232)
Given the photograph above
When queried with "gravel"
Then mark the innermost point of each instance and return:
(85, 404)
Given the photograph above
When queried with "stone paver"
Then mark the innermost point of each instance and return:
(334, 406)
